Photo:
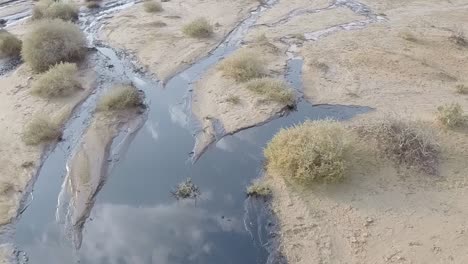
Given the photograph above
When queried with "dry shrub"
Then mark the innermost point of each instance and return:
(119, 98)
(186, 190)
(462, 88)
(258, 189)
(93, 4)
(233, 99)
(58, 81)
(10, 45)
(311, 152)
(458, 37)
(51, 42)
(198, 28)
(55, 9)
(152, 6)
(450, 115)
(243, 66)
(407, 143)
(40, 130)
(272, 89)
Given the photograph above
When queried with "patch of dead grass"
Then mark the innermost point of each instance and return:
(272, 89)
(120, 97)
(59, 81)
(243, 66)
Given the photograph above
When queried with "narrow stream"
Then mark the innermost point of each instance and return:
(135, 219)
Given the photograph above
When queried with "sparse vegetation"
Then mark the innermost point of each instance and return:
(450, 115)
(299, 36)
(243, 66)
(272, 89)
(41, 130)
(186, 190)
(55, 9)
(198, 28)
(408, 36)
(51, 42)
(10, 45)
(152, 6)
(258, 189)
(462, 88)
(458, 37)
(311, 152)
(233, 99)
(93, 4)
(58, 81)
(119, 98)
(407, 143)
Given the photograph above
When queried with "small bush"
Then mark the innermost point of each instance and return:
(258, 189)
(60, 80)
(186, 190)
(311, 152)
(243, 66)
(10, 45)
(40, 130)
(93, 4)
(459, 38)
(152, 6)
(51, 42)
(199, 28)
(120, 98)
(272, 89)
(450, 115)
(233, 99)
(462, 88)
(55, 9)
(406, 143)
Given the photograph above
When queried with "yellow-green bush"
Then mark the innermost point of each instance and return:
(258, 189)
(198, 28)
(242, 66)
(314, 151)
(59, 80)
(55, 9)
(272, 89)
(119, 98)
(10, 45)
(51, 42)
(450, 115)
(41, 130)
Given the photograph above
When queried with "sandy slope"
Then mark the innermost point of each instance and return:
(157, 39)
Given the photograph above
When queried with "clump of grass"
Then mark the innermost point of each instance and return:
(233, 99)
(186, 190)
(51, 42)
(311, 152)
(408, 36)
(152, 6)
(41, 130)
(59, 81)
(10, 45)
(272, 89)
(258, 189)
(299, 36)
(243, 66)
(462, 88)
(450, 115)
(93, 4)
(55, 9)
(407, 143)
(459, 38)
(198, 28)
(119, 98)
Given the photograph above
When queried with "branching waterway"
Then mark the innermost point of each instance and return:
(133, 217)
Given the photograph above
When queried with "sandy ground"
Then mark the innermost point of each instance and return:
(88, 168)
(408, 66)
(157, 38)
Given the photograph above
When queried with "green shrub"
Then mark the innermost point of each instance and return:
(120, 98)
(10, 45)
(152, 6)
(450, 115)
(58, 81)
(40, 130)
(258, 189)
(272, 89)
(198, 28)
(243, 66)
(51, 42)
(311, 152)
(407, 143)
(55, 9)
